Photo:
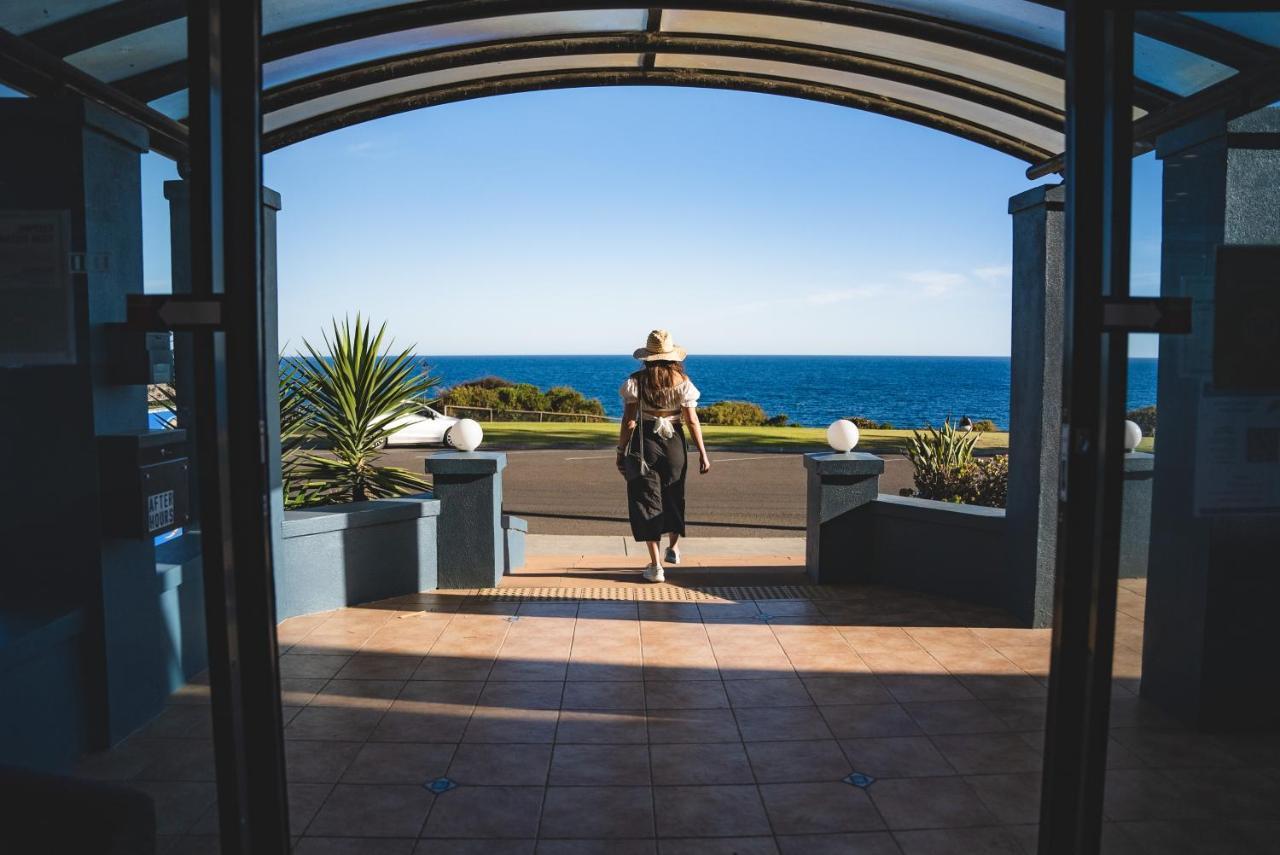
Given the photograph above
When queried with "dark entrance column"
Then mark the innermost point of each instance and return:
(1035, 398)
(1211, 642)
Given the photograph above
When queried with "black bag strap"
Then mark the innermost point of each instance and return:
(637, 434)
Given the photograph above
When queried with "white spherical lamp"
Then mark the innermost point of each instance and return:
(1132, 435)
(842, 435)
(466, 435)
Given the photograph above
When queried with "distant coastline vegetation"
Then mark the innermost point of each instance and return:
(504, 399)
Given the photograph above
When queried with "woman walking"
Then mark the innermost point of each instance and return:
(659, 400)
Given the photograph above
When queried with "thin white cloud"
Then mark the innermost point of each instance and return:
(935, 283)
(843, 295)
(994, 273)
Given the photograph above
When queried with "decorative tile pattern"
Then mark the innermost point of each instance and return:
(858, 779)
(440, 785)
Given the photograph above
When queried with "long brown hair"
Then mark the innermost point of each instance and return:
(658, 379)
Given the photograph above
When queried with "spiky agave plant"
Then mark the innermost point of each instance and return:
(349, 397)
(942, 459)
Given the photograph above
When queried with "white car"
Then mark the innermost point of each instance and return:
(426, 428)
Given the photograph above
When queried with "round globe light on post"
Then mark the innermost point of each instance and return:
(466, 435)
(1132, 436)
(842, 435)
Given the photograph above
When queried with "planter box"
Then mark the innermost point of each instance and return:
(344, 555)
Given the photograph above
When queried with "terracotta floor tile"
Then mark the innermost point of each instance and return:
(719, 846)
(710, 811)
(461, 692)
(179, 804)
(595, 847)
(925, 687)
(354, 846)
(760, 724)
(180, 721)
(864, 843)
(685, 694)
(379, 666)
(784, 762)
(300, 691)
(459, 667)
(626, 669)
(421, 721)
(325, 666)
(693, 725)
(859, 720)
(847, 689)
(1017, 685)
(954, 717)
(581, 764)
(318, 762)
(603, 695)
(372, 810)
(1021, 714)
(358, 694)
(988, 753)
(341, 724)
(486, 812)
(775, 692)
(602, 727)
(530, 669)
(399, 763)
(896, 757)
(500, 764)
(819, 808)
(709, 763)
(909, 803)
(958, 841)
(522, 695)
(597, 812)
(501, 724)
(1013, 798)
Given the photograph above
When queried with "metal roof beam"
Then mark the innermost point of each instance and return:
(451, 93)
(653, 44)
(105, 24)
(1243, 93)
(156, 83)
(37, 73)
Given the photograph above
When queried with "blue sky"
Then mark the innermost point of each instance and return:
(574, 221)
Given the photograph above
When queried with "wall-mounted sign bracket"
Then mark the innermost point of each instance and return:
(1166, 315)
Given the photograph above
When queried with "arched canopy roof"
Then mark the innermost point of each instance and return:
(987, 70)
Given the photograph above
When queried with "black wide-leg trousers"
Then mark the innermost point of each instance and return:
(655, 502)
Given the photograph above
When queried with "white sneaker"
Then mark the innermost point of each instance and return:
(653, 573)
(673, 555)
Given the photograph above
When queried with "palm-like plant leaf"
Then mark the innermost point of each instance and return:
(351, 397)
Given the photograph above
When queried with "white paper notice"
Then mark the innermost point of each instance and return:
(37, 307)
(1238, 454)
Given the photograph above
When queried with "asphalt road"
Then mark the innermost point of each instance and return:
(578, 491)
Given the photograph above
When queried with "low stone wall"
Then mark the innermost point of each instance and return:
(957, 551)
(344, 555)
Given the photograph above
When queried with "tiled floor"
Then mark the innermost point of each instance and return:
(874, 722)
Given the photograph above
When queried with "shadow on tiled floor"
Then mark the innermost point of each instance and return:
(875, 722)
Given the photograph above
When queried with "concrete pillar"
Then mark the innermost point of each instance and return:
(1211, 644)
(837, 516)
(1135, 525)
(1035, 399)
(470, 548)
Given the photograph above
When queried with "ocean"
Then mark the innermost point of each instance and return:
(906, 391)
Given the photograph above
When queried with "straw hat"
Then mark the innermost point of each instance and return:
(660, 347)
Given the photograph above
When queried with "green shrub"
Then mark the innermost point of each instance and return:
(985, 425)
(863, 423)
(947, 471)
(780, 420)
(1145, 418)
(733, 413)
(494, 393)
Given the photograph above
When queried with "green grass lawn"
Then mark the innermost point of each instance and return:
(569, 435)
(502, 435)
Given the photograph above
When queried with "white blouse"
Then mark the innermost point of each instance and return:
(684, 395)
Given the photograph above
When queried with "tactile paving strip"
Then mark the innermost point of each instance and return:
(659, 593)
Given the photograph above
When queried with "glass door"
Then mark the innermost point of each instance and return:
(1161, 729)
